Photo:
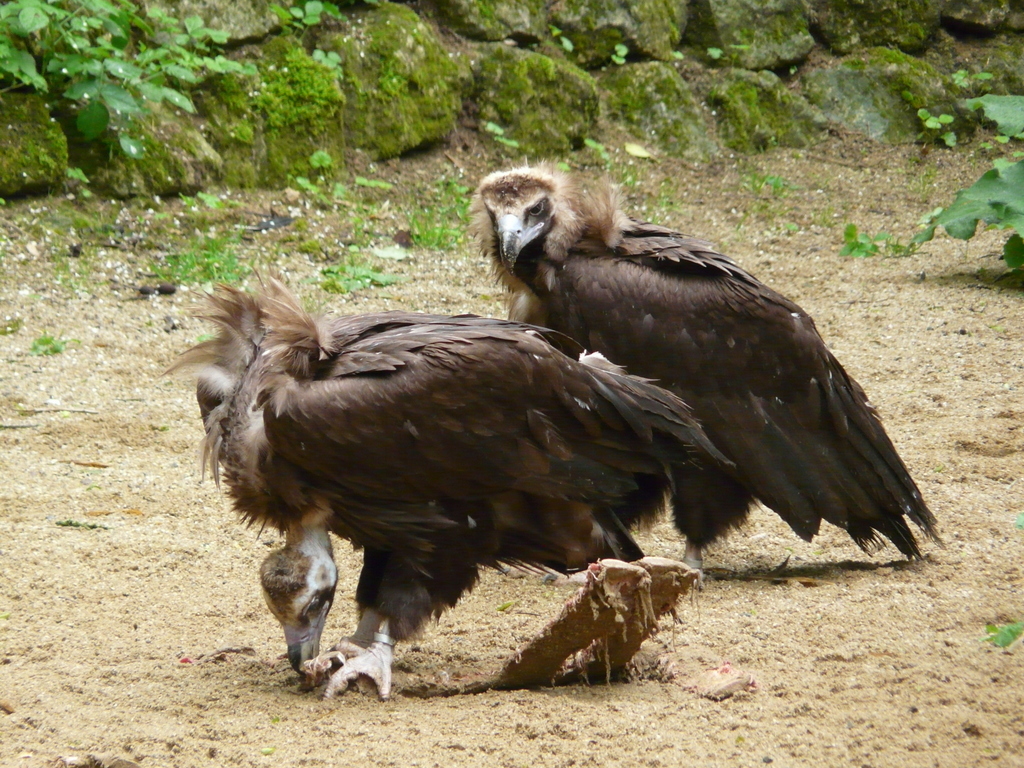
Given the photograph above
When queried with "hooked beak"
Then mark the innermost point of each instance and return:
(513, 237)
(304, 642)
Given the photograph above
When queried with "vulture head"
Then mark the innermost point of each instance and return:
(298, 583)
(524, 216)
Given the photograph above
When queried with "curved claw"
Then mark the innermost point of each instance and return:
(373, 663)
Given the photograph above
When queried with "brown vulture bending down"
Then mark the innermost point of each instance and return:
(436, 444)
(801, 433)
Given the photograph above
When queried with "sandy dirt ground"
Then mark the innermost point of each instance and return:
(109, 634)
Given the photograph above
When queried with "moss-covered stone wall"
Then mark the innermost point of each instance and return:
(538, 79)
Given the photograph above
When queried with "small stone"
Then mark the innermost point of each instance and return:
(166, 289)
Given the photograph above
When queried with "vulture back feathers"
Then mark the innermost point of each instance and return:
(802, 436)
(436, 444)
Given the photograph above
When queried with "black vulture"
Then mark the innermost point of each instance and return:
(435, 444)
(801, 435)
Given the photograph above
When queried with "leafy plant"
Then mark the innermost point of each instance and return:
(715, 53)
(935, 123)
(778, 186)
(621, 51)
(345, 278)
(441, 226)
(1004, 636)
(10, 325)
(997, 199)
(1007, 112)
(861, 244)
(206, 260)
(48, 345)
(963, 78)
(107, 60)
(309, 14)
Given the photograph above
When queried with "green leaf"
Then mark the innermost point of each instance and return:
(132, 147)
(996, 196)
(1006, 111)
(1020, 522)
(566, 44)
(945, 119)
(507, 142)
(118, 99)
(93, 120)
(1004, 636)
(122, 69)
(78, 174)
(1013, 255)
(178, 99)
(494, 128)
(715, 53)
(621, 50)
(949, 138)
(373, 183)
(32, 19)
(181, 73)
(636, 150)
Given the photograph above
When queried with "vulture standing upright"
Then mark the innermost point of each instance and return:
(435, 444)
(801, 434)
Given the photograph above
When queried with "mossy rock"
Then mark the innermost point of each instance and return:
(524, 21)
(234, 127)
(656, 104)
(548, 106)
(756, 111)
(983, 16)
(176, 157)
(403, 89)
(648, 28)
(846, 25)
(879, 93)
(301, 111)
(751, 34)
(33, 149)
(1005, 61)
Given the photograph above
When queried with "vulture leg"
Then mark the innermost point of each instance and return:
(694, 557)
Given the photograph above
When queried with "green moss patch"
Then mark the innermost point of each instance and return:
(522, 20)
(850, 24)
(548, 106)
(403, 89)
(655, 103)
(756, 111)
(33, 150)
(301, 110)
(649, 28)
(752, 34)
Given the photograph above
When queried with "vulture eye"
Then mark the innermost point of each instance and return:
(538, 209)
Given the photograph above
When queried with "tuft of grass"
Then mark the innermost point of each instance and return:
(441, 226)
(777, 185)
(205, 260)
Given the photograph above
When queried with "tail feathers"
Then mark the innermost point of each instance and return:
(298, 341)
